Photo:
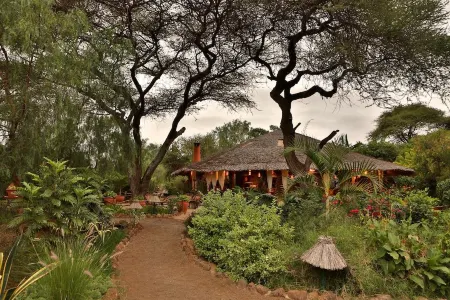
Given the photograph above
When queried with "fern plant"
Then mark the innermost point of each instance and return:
(57, 200)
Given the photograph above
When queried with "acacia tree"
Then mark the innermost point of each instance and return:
(347, 48)
(151, 59)
(402, 123)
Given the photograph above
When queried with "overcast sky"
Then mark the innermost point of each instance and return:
(355, 121)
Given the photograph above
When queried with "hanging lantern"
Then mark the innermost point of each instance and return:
(226, 173)
(249, 172)
(259, 174)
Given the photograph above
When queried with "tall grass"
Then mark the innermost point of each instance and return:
(81, 272)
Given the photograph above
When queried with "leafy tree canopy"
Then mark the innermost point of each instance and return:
(429, 156)
(381, 150)
(404, 122)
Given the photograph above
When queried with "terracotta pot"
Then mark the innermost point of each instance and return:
(142, 202)
(109, 200)
(185, 206)
(120, 198)
(11, 193)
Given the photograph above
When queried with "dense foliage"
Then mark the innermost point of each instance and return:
(417, 251)
(58, 200)
(443, 191)
(245, 240)
(428, 155)
(381, 150)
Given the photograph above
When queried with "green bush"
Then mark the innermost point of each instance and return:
(301, 210)
(245, 240)
(81, 272)
(420, 205)
(412, 251)
(443, 191)
(155, 210)
(57, 200)
(177, 185)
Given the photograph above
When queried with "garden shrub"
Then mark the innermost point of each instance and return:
(245, 240)
(414, 251)
(177, 185)
(443, 191)
(302, 209)
(214, 220)
(407, 181)
(154, 210)
(419, 205)
(58, 200)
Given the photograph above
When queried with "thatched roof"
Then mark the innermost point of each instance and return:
(325, 255)
(264, 153)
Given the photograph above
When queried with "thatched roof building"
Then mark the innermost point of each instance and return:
(266, 153)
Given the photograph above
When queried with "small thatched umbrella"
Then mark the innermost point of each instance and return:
(326, 256)
(136, 205)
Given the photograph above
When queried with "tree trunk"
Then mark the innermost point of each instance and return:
(171, 137)
(287, 127)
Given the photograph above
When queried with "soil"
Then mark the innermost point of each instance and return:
(153, 266)
(7, 238)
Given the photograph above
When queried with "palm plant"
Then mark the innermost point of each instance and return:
(332, 173)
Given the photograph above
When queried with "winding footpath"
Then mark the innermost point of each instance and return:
(154, 267)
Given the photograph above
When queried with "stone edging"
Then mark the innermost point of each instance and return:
(188, 247)
(125, 216)
(113, 293)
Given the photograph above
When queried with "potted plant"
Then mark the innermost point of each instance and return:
(183, 203)
(120, 198)
(140, 199)
(109, 197)
(11, 190)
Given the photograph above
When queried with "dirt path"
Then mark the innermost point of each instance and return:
(153, 266)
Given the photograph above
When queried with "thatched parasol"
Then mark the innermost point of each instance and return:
(325, 255)
(136, 205)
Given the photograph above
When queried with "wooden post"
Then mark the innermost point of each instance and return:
(269, 180)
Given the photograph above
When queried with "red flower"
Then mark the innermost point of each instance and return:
(376, 214)
(354, 211)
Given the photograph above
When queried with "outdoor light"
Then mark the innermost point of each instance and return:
(365, 172)
(226, 173)
(259, 174)
(249, 172)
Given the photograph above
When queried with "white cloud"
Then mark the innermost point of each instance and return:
(356, 121)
